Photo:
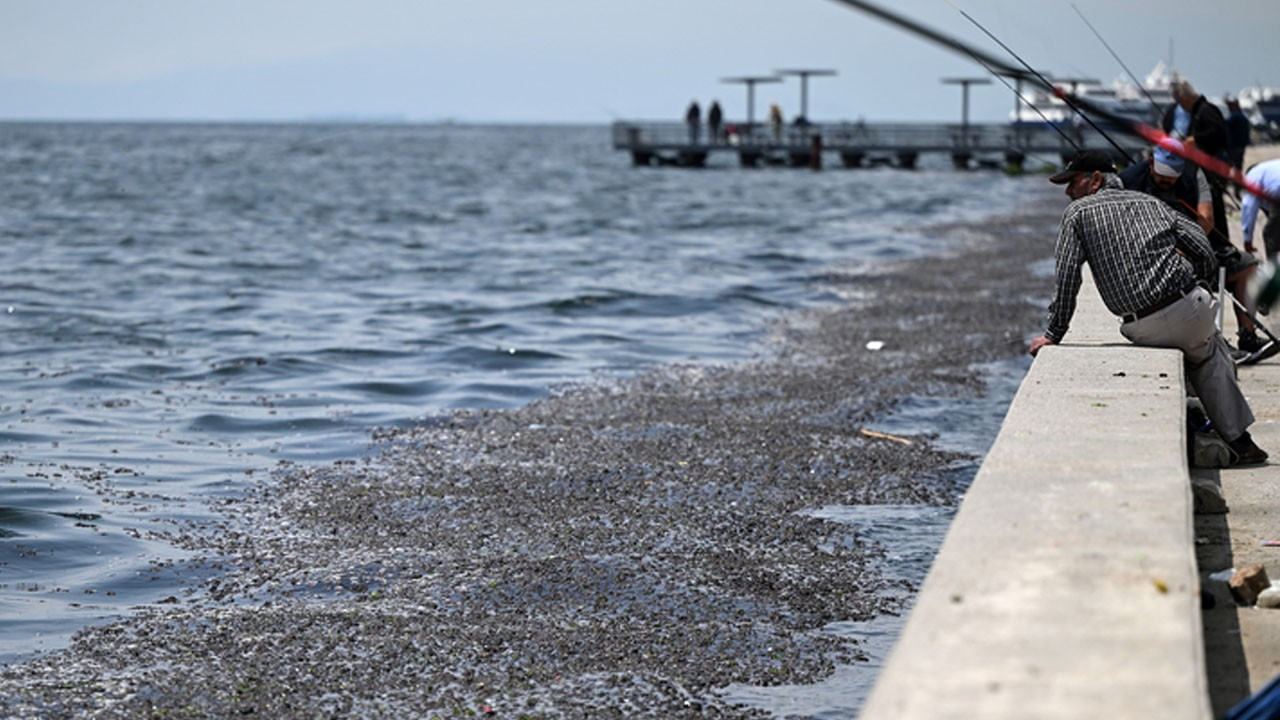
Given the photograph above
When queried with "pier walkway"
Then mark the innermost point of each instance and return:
(1243, 643)
(857, 144)
(1069, 584)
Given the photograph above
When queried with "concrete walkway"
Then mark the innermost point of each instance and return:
(1242, 644)
(1069, 583)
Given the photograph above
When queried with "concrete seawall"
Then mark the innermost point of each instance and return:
(1067, 584)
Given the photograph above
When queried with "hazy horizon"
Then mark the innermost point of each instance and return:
(579, 61)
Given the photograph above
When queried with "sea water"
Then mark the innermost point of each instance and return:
(185, 306)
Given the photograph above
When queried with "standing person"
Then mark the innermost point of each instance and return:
(775, 121)
(1238, 130)
(714, 117)
(1267, 176)
(1183, 187)
(1146, 262)
(693, 118)
(1199, 123)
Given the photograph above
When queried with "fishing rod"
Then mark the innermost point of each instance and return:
(993, 64)
(1070, 102)
(1155, 105)
(1127, 71)
(1128, 125)
(1018, 94)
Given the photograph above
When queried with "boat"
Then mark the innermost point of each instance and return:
(1262, 106)
(1121, 97)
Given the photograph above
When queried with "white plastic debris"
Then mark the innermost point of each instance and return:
(1270, 598)
(875, 344)
(1223, 575)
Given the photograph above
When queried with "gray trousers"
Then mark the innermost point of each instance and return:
(1188, 325)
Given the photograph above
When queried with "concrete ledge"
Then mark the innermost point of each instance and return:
(1067, 585)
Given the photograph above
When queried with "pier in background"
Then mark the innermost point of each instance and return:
(859, 144)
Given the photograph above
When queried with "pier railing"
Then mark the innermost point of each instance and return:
(679, 144)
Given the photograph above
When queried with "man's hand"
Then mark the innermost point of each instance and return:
(1039, 343)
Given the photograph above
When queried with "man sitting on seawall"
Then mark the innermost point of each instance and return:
(1147, 262)
(1183, 187)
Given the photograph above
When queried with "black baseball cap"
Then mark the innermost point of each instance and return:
(1085, 161)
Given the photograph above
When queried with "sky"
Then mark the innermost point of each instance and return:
(586, 61)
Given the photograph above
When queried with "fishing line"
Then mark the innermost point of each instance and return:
(1068, 99)
(989, 61)
(1019, 95)
(1070, 141)
(1156, 106)
(1134, 127)
(1127, 71)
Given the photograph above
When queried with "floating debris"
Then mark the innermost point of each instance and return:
(884, 436)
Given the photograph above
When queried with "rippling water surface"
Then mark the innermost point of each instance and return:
(185, 306)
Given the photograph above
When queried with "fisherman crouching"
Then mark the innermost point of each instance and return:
(1150, 265)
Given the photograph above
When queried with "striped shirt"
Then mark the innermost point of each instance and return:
(1131, 242)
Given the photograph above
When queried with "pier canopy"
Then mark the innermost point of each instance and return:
(751, 81)
(805, 74)
(964, 84)
(1018, 76)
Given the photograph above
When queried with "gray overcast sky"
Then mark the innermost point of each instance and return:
(581, 60)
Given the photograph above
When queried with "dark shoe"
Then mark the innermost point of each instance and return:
(1250, 453)
(1267, 350)
(1237, 354)
(1248, 341)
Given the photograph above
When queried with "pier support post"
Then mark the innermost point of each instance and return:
(748, 158)
(961, 160)
(692, 158)
(641, 157)
(1013, 160)
(907, 159)
(852, 159)
(815, 152)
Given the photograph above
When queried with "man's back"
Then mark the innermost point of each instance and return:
(1131, 241)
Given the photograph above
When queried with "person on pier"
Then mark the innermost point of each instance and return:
(775, 121)
(715, 116)
(1148, 263)
(693, 118)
